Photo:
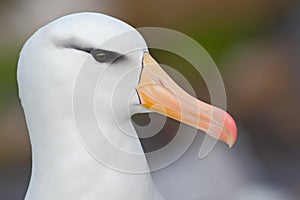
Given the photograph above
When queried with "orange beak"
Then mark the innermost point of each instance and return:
(158, 92)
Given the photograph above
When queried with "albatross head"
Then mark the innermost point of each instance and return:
(55, 54)
(93, 55)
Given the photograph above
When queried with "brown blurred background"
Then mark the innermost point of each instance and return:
(256, 45)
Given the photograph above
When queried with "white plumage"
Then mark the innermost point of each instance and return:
(65, 152)
(47, 71)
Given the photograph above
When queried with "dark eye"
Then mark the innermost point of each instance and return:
(104, 56)
(100, 55)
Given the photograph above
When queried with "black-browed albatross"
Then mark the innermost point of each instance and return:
(48, 69)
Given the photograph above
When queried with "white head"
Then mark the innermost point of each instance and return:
(52, 58)
(56, 59)
(89, 63)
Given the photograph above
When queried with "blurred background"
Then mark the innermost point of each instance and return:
(255, 44)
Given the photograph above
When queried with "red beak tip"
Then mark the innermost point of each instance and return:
(232, 129)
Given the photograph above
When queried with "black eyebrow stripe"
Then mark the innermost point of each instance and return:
(75, 43)
(77, 47)
(89, 50)
(85, 49)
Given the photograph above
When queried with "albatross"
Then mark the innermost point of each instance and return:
(49, 67)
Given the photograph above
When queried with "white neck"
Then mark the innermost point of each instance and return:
(48, 69)
(62, 167)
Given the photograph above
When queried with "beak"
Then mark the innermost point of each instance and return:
(159, 93)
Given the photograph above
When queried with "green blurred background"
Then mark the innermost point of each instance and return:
(256, 45)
